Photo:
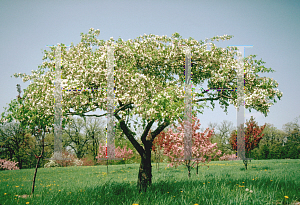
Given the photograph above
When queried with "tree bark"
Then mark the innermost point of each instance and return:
(145, 173)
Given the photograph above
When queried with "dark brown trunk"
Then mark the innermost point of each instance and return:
(145, 174)
(245, 162)
(20, 163)
(145, 171)
(188, 165)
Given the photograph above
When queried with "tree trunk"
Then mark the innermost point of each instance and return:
(36, 167)
(158, 161)
(145, 174)
(188, 165)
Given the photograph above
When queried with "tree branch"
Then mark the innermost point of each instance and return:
(146, 131)
(205, 99)
(159, 129)
(129, 135)
(123, 107)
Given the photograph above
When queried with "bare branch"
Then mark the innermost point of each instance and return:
(205, 99)
(146, 131)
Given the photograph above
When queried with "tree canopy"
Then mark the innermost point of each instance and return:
(144, 77)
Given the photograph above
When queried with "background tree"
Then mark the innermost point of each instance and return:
(94, 129)
(292, 146)
(75, 139)
(253, 134)
(145, 83)
(14, 143)
(221, 135)
(271, 145)
(202, 148)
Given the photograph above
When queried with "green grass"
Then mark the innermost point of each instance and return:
(222, 183)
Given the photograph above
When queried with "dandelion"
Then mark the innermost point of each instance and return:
(196, 204)
(58, 190)
(4, 193)
(286, 197)
(27, 202)
(17, 186)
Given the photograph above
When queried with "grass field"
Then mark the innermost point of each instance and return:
(226, 182)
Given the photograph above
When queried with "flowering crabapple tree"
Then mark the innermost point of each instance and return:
(119, 152)
(9, 165)
(202, 148)
(18, 111)
(226, 157)
(123, 153)
(253, 135)
(145, 83)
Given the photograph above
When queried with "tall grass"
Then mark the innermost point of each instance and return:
(226, 182)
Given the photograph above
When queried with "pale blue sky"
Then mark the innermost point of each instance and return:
(271, 26)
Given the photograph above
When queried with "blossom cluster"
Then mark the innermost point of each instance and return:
(9, 165)
(227, 157)
(119, 152)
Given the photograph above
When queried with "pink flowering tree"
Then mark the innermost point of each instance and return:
(123, 153)
(9, 165)
(202, 148)
(120, 152)
(227, 157)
